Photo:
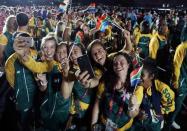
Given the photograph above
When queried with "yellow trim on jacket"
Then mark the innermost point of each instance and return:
(3, 39)
(180, 53)
(142, 35)
(123, 128)
(10, 70)
(154, 45)
(9, 66)
(83, 106)
(167, 96)
(40, 67)
(100, 89)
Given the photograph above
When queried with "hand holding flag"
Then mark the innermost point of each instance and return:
(103, 22)
(135, 76)
(63, 5)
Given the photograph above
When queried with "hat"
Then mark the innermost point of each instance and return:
(22, 19)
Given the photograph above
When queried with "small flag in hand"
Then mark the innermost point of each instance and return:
(63, 5)
(91, 8)
(135, 76)
(103, 23)
(79, 37)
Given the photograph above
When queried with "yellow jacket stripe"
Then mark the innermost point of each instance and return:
(167, 96)
(177, 62)
(9, 67)
(154, 45)
(39, 67)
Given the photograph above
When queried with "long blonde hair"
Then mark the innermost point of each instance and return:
(7, 25)
(60, 27)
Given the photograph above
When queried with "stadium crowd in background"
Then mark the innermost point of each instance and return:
(138, 59)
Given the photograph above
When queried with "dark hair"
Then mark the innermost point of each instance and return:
(22, 19)
(40, 18)
(150, 65)
(63, 44)
(89, 48)
(80, 46)
(97, 34)
(58, 17)
(145, 28)
(161, 24)
(111, 78)
(23, 34)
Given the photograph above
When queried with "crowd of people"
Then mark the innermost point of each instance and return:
(42, 86)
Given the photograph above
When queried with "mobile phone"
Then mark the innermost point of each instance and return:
(85, 65)
(28, 40)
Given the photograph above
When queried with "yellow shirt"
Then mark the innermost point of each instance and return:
(32, 22)
(3, 39)
(136, 33)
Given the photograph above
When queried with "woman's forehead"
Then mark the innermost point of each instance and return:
(119, 57)
(97, 46)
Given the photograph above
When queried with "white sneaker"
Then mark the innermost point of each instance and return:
(176, 126)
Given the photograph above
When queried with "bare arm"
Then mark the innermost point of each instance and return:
(66, 88)
(95, 112)
(67, 85)
(128, 47)
(133, 108)
(86, 82)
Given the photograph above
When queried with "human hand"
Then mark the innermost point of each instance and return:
(19, 46)
(41, 77)
(127, 34)
(65, 67)
(83, 77)
(143, 115)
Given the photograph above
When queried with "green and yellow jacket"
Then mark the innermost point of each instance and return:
(22, 80)
(180, 65)
(7, 40)
(156, 43)
(164, 101)
(81, 97)
(143, 41)
(54, 109)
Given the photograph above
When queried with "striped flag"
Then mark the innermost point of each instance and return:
(63, 5)
(79, 37)
(135, 76)
(103, 23)
(91, 8)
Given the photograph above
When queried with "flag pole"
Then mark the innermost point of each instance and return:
(71, 50)
(117, 26)
(70, 4)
